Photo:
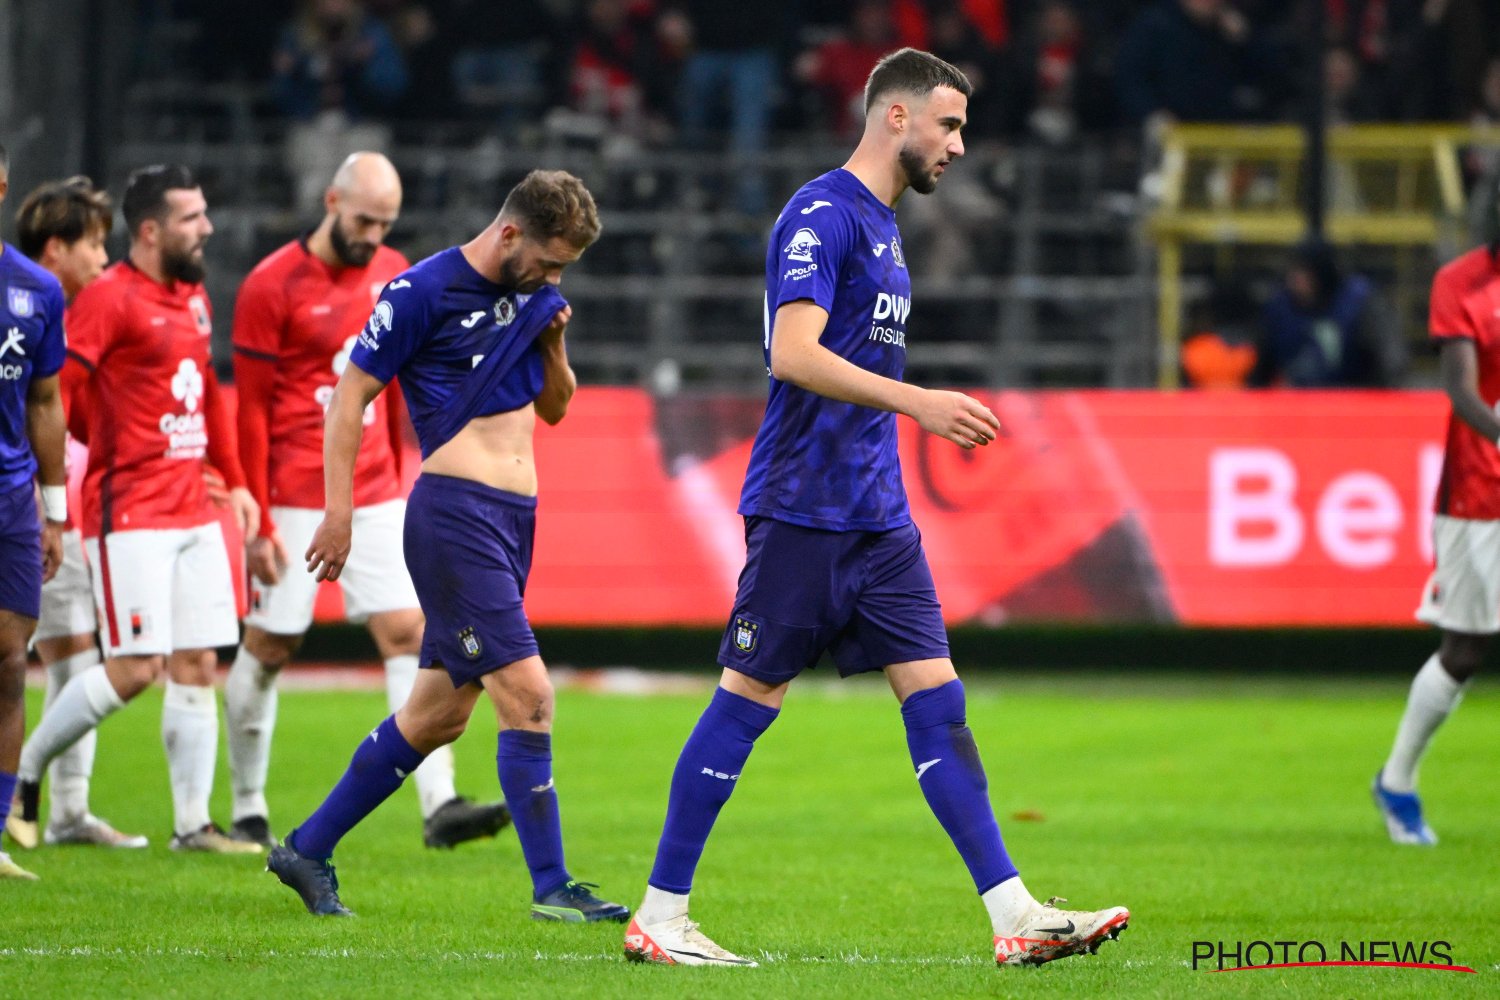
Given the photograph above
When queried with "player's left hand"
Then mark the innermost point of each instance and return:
(552, 335)
(52, 549)
(246, 512)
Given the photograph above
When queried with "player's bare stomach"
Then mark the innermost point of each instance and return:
(494, 450)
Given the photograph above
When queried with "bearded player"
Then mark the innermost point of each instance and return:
(298, 315)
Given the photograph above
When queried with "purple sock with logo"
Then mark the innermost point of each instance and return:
(524, 761)
(706, 773)
(952, 778)
(380, 764)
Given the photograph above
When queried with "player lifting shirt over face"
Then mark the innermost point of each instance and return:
(296, 321)
(476, 335)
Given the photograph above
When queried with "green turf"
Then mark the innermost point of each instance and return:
(1218, 811)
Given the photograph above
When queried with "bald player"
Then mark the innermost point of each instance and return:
(298, 315)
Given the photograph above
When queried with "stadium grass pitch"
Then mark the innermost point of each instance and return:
(1226, 811)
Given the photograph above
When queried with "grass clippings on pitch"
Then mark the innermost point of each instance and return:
(1220, 812)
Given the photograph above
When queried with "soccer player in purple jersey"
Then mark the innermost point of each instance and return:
(31, 450)
(834, 562)
(476, 335)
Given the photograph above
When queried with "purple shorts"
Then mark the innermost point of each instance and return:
(20, 552)
(468, 549)
(865, 596)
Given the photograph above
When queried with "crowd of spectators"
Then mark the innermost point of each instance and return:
(678, 71)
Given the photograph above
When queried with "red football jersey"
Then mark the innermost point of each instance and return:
(149, 401)
(1465, 303)
(301, 316)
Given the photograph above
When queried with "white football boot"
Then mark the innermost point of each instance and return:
(676, 942)
(1048, 933)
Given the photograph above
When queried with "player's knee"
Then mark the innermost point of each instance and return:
(12, 677)
(398, 633)
(1463, 655)
(134, 674)
(535, 703)
(433, 731)
(271, 650)
(426, 728)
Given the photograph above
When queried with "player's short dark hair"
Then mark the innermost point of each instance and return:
(553, 203)
(146, 192)
(68, 210)
(912, 71)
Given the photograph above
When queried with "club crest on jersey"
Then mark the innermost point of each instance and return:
(199, 308)
(20, 302)
(896, 254)
(802, 244)
(470, 642)
(505, 311)
(746, 632)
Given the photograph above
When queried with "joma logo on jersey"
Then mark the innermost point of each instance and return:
(801, 246)
(892, 307)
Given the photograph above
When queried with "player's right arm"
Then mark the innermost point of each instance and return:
(396, 328)
(1459, 365)
(798, 357)
(342, 429)
(1458, 360)
(258, 324)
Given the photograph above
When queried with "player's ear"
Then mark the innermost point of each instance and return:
(51, 251)
(331, 199)
(896, 116)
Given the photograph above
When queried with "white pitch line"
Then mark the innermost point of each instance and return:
(228, 954)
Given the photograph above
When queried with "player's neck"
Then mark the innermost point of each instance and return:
(484, 253)
(149, 264)
(321, 247)
(878, 171)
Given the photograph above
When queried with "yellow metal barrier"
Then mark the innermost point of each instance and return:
(1387, 185)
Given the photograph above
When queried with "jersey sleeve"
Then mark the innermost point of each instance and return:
(255, 384)
(223, 451)
(810, 250)
(396, 328)
(53, 348)
(91, 323)
(259, 317)
(1447, 318)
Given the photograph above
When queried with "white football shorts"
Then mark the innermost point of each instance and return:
(163, 589)
(68, 598)
(374, 579)
(1463, 593)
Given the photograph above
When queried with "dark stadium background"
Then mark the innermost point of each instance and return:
(1036, 267)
